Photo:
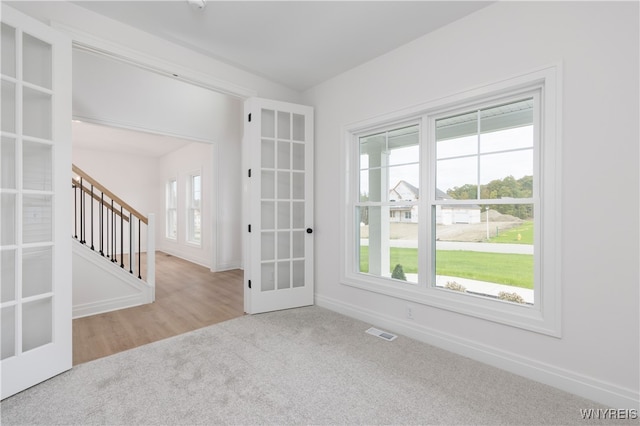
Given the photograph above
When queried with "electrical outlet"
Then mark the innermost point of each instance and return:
(409, 312)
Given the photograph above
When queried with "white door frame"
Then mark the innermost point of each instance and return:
(88, 42)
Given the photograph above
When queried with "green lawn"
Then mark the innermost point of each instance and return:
(510, 269)
(511, 235)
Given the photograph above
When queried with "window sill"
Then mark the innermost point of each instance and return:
(526, 317)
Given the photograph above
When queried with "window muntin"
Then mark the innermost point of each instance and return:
(194, 210)
(171, 199)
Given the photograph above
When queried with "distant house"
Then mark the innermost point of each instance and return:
(446, 214)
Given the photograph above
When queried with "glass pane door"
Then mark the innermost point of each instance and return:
(283, 239)
(35, 294)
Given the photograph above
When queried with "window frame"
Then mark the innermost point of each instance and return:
(544, 316)
(169, 208)
(190, 207)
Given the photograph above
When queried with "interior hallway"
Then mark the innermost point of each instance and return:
(188, 297)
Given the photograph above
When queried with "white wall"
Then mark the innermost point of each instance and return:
(597, 44)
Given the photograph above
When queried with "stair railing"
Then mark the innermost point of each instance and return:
(108, 225)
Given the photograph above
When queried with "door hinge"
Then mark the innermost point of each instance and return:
(249, 117)
(249, 172)
(249, 228)
(249, 283)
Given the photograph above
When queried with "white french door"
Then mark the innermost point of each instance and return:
(35, 234)
(278, 152)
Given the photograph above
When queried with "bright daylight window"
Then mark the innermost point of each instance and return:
(446, 206)
(194, 217)
(172, 209)
(483, 201)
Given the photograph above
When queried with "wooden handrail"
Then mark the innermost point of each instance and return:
(108, 193)
(76, 183)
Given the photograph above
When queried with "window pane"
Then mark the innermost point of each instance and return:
(268, 154)
(8, 107)
(452, 148)
(37, 268)
(36, 166)
(8, 276)
(36, 61)
(519, 137)
(37, 218)
(388, 246)
(486, 250)
(8, 163)
(403, 183)
(8, 344)
(37, 113)
(505, 168)
(456, 173)
(8, 50)
(37, 327)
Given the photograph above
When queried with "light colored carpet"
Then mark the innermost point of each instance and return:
(301, 366)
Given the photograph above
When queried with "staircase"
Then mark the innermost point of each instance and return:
(113, 250)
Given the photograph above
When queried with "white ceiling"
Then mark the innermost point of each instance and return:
(296, 43)
(96, 137)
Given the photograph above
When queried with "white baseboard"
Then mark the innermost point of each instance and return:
(103, 306)
(596, 390)
(227, 267)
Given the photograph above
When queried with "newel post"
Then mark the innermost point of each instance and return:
(151, 254)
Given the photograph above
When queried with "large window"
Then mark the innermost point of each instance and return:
(455, 205)
(171, 199)
(194, 217)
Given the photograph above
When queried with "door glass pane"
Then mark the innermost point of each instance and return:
(36, 118)
(284, 275)
(284, 125)
(298, 214)
(298, 127)
(8, 220)
(37, 270)
(268, 215)
(8, 50)
(8, 107)
(8, 163)
(8, 275)
(267, 276)
(36, 61)
(268, 185)
(268, 154)
(37, 221)
(36, 166)
(268, 123)
(9, 331)
(284, 245)
(284, 218)
(284, 185)
(268, 244)
(37, 324)
(298, 244)
(298, 186)
(284, 155)
(298, 156)
(297, 275)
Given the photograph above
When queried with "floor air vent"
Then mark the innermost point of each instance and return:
(381, 334)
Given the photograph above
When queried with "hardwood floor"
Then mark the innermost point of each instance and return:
(188, 297)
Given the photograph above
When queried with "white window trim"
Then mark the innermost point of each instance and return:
(167, 208)
(189, 193)
(544, 316)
